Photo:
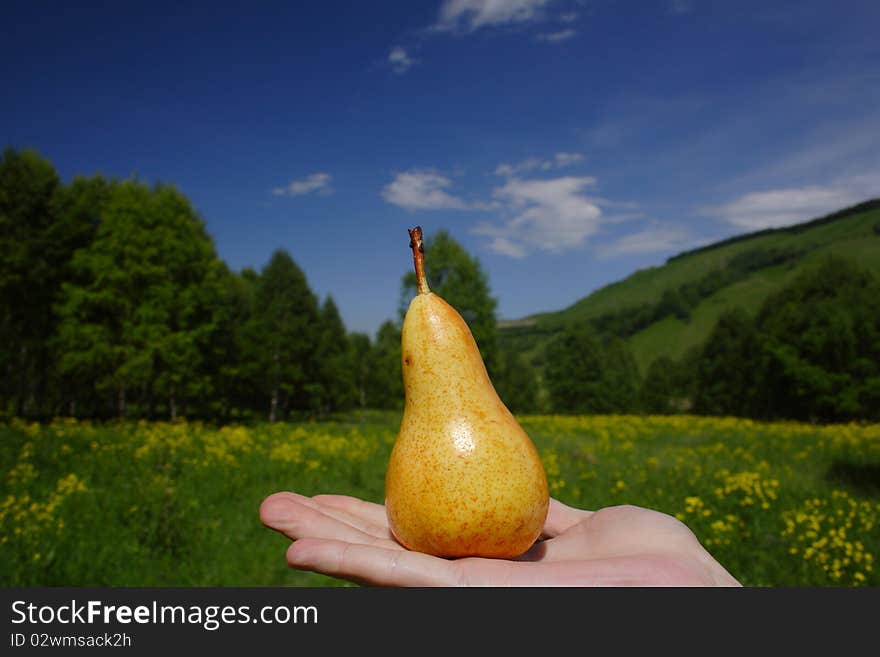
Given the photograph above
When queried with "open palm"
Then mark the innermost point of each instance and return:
(349, 538)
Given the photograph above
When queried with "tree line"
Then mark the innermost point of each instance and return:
(115, 303)
(811, 352)
(681, 301)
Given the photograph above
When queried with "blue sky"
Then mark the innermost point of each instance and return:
(567, 143)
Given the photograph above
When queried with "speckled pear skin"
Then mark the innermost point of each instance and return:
(463, 479)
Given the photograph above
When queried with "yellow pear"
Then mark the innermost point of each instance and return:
(464, 478)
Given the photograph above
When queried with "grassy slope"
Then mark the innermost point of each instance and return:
(851, 237)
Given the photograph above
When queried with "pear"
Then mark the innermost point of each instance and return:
(464, 478)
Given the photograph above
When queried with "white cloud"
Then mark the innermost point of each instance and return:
(422, 190)
(556, 37)
(508, 170)
(649, 240)
(558, 161)
(316, 182)
(400, 61)
(552, 215)
(566, 159)
(471, 15)
(504, 246)
(532, 214)
(786, 206)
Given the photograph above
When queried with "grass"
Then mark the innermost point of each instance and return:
(851, 237)
(647, 286)
(674, 337)
(139, 504)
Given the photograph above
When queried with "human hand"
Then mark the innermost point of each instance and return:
(349, 538)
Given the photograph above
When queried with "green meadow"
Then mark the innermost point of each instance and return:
(176, 504)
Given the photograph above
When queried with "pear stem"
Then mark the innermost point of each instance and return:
(418, 249)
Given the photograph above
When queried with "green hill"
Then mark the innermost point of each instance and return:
(672, 308)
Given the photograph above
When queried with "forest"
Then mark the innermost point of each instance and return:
(114, 303)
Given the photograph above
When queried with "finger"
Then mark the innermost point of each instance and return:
(369, 511)
(561, 517)
(339, 509)
(370, 564)
(284, 513)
